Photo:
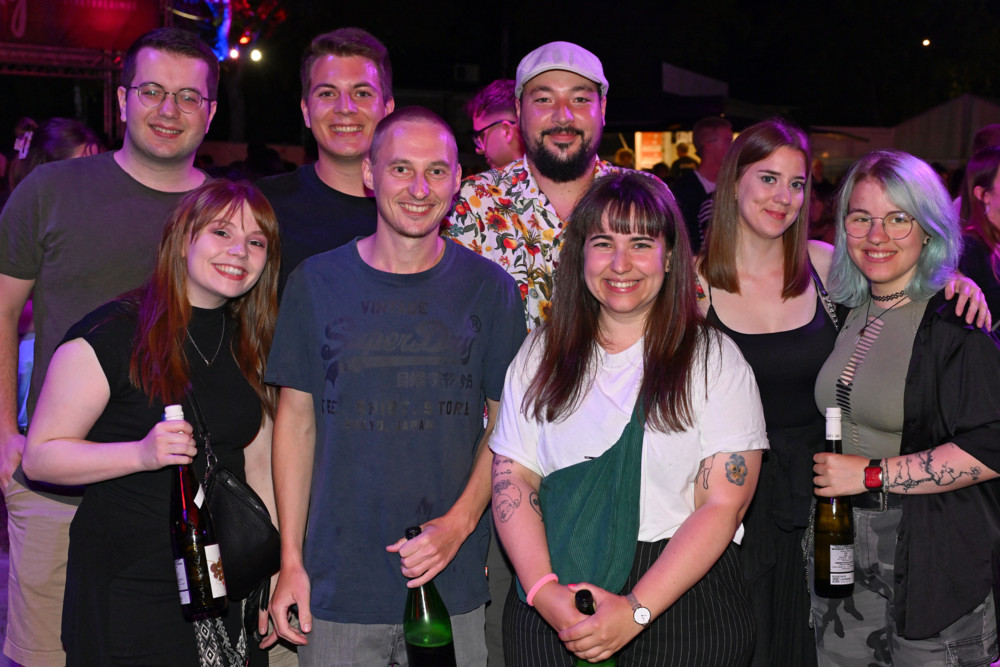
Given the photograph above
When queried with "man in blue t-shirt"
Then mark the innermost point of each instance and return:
(387, 349)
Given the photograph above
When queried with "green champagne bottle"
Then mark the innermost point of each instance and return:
(834, 540)
(585, 605)
(426, 625)
(197, 562)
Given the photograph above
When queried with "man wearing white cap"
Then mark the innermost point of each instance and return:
(515, 215)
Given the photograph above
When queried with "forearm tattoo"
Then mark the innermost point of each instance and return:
(736, 470)
(923, 468)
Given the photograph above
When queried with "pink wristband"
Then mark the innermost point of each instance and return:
(530, 597)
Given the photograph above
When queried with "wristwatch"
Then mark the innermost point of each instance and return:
(640, 614)
(874, 477)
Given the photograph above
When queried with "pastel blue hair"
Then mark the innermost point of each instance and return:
(913, 187)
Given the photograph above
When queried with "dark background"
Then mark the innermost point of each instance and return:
(843, 63)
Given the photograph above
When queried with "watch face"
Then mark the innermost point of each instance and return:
(641, 616)
(873, 477)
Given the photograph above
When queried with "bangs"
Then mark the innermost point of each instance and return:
(640, 205)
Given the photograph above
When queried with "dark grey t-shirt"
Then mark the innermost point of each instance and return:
(85, 231)
(398, 367)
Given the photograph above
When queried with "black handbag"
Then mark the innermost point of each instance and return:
(248, 542)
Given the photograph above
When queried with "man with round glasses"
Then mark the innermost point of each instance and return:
(78, 233)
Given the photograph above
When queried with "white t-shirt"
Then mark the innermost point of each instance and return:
(727, 414)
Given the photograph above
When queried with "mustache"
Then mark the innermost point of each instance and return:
(562, 130)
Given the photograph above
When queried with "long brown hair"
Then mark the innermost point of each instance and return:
(718, 261)
(982, 172)
(159, 365)
(630, 202)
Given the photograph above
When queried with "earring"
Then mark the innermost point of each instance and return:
(927, 240)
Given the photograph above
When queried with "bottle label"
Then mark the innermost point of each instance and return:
(218, 579)
(199, 498)
(182, 581)
(841, 564)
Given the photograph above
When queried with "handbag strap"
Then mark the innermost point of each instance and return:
(210, 459)
(824, 296)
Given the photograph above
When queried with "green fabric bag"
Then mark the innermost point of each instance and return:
(591, 513)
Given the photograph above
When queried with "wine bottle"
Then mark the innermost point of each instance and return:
(426, 625)
(585, 605)
(197, 562)
(834, 542)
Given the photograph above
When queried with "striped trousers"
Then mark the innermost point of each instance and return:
(710, 625)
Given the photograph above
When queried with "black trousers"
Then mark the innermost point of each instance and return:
(712, 624)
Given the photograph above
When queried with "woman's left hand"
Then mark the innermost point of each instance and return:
(839, 474)
(605, 633)
(970, 298)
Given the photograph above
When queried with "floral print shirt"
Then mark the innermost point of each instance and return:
(504, 216)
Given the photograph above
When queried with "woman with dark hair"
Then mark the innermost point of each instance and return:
(199, 330)
(763, 286)
(626, 356)
(55, 139)
(921, 418)
(981, 221)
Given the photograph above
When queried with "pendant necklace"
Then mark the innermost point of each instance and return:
(901, 296)
(217, 350)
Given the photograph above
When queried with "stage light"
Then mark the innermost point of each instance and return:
(256, 55)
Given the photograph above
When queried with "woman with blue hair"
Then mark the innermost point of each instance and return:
(921, 425)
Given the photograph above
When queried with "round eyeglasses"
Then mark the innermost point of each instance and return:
(896, 225)
(152, 96)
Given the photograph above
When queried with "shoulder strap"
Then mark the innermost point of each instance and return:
(828, 305)
(199, 422)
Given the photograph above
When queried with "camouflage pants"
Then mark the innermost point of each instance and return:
(859, 630)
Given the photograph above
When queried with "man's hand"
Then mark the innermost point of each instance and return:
(423, 557)
(11, 449)
(292, 589)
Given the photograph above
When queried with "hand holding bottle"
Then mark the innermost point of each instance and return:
(423, 557)
(167, 443)
(839, 474)
(605, 632)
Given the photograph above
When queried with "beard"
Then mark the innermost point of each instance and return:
(562, 168)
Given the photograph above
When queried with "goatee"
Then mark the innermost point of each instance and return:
(562, 168)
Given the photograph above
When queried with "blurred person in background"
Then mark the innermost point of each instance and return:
(495, 131)
(980, 218)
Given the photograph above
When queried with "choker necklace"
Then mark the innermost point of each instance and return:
(902, 296)
(889, 297)
(198, 349)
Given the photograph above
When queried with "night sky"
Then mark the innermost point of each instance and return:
(843, 63)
